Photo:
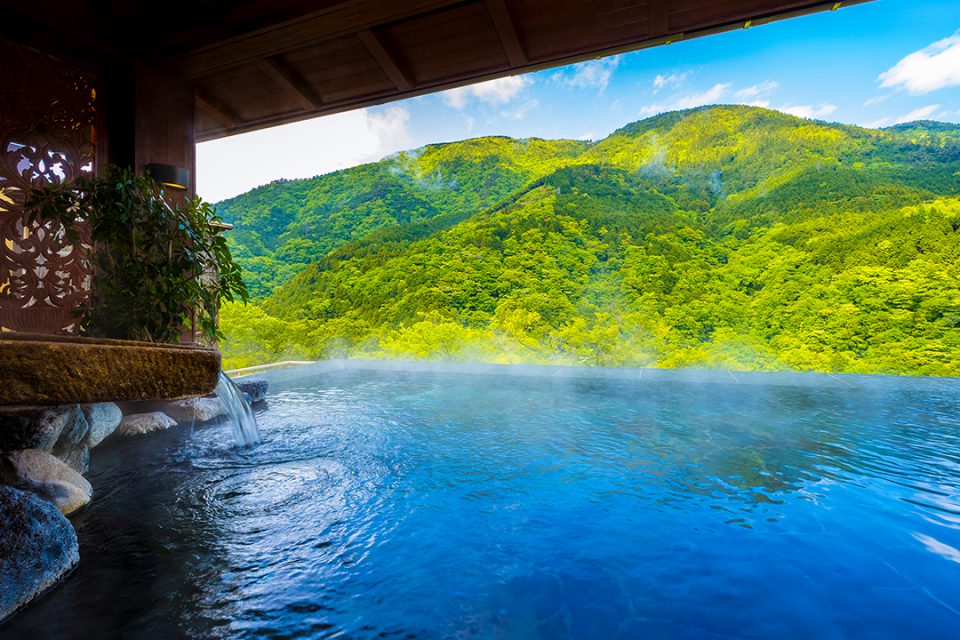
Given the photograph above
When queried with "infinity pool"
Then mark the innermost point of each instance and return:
(421, 502)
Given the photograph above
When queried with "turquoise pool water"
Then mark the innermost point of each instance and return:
(498, 503)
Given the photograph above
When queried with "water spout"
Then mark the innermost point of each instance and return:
(238, 411)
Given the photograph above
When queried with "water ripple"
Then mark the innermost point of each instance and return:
(447, 505)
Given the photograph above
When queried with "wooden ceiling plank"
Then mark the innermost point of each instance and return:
(692, 15)
(343, 19)
(463, 17)
(658, 17)
(507, 31)
(217, 111)
(291, 82)
(387, 61)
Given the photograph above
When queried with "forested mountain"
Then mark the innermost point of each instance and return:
(715, 237)
(282, 227)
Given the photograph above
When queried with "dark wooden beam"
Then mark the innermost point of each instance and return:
(387, 61)
(291, 82)
(339, 19)
(66, 27)
(507, 32)
(224, 117)
(210, 22)
(658, 17)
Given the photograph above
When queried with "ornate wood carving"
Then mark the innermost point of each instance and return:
(47, 135)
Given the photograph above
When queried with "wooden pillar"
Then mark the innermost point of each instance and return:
(164, 121)
(148, 118)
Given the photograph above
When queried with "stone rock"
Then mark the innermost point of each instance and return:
(38, 548)
(137, 424)
(195, 409)
(255, 387)
(26, 427)
(76, 456)
(74, 432)
(40, 473)
(104, 418)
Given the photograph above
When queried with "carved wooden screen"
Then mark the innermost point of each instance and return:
(47, 118)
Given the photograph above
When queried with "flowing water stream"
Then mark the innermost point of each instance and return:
(238, 411)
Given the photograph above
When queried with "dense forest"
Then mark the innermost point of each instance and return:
(722, 237)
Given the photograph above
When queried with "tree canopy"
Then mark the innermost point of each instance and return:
(729, 237)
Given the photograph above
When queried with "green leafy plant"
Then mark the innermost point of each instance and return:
(158, 263)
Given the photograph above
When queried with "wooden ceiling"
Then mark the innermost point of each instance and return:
(259, 63)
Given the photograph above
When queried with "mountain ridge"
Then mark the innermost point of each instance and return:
(626, 250)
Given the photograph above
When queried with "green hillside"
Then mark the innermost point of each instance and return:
(729, 237)
(282, 227)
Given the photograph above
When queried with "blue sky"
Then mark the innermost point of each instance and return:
(876, 64)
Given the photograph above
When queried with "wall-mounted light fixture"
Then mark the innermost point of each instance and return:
(170, 176)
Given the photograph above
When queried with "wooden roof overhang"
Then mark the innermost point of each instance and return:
(259, 63)
(358, 53)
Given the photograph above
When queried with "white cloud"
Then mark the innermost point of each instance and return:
(520, 112)
(653, 109)
(933, 67)
(388, 127)
(233, 165)
(757, 90)
(674, 79)
(876, 100)
(593, 74)
(921, 113)
(711, 96)
(809, 111)
(723, 92)
(456, 98)
(494, 92)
